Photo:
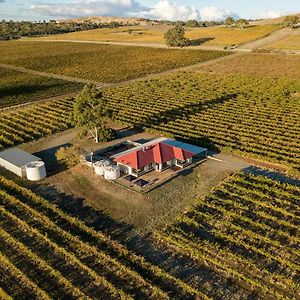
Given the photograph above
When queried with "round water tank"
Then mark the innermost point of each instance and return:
(112, 172)
(36, 171)
(99, 166)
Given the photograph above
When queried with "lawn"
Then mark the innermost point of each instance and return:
(104, 63)
(290, 43)
(155, 34)
(17, 87)
(266, 65)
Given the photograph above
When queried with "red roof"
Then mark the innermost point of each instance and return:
(159, 153)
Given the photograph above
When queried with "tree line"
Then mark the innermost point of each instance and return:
(14, 30)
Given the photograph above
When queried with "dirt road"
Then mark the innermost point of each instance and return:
(274, 37)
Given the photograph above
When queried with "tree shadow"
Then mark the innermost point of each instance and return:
(26, 90)
(198, 42)
(185, 112)
(272, 175)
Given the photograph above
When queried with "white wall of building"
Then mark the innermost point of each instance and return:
(11, 167)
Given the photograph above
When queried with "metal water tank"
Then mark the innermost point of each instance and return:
(100, 166)
(36, 170)
(112, 172)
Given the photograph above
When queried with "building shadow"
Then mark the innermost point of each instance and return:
(48, 157)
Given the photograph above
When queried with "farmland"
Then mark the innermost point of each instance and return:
(261, 65)
(230, 36)
(248, 116)
(67, 259)
(245, 231)
(17, 87)
(155, 34)
(291, 43)
(103, 63)
(28, 124)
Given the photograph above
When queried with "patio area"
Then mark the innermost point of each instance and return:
(152, 179)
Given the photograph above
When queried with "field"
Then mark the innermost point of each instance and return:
(248, 116)
(46, 253)
(291, 43)
(17, 87)
(103, 63)
(240, 242)
(244, 234)
(230, 36)
(262, 65)
(28, 124)
(155, 34)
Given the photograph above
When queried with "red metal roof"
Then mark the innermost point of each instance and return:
(159, 153)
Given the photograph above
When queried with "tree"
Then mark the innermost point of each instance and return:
(192, 23)
(291, 21)
(68, 156)
(91, 113)
(242, 23)
(229, 21)
(175, 37)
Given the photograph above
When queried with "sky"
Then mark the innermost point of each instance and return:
(204, 10)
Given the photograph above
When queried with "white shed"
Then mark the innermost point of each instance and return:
(16, 161)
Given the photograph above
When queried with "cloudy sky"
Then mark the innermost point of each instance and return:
(155, 9)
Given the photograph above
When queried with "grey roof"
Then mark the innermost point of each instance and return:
(187, 147)
(18, 157)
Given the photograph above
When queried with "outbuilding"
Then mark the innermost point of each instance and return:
(23, 164)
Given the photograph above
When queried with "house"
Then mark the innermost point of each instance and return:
(159, 154)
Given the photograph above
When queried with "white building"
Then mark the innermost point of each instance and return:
(23, 164)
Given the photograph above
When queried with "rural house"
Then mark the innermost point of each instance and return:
(159, 154)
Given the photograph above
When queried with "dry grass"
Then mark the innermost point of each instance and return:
(266, 65)
(141, 34)
(155, 34)
(230, 36)
(290, 43)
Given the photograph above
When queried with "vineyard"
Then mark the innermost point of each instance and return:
(103, 63)
(249, 116)
(246, 231)
(155, 34)
(55, 256)
(258, 118)
(263, 65)
(17, 87)
(291, 43)
(31, 123)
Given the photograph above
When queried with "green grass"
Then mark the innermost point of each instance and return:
(18, 87)
(104, 63)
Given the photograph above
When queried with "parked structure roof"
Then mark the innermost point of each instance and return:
(18, 157)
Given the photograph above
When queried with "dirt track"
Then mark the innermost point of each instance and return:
(274, 37)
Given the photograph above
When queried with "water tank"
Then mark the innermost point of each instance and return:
(112, 172)
(100, 166)
(35, 170)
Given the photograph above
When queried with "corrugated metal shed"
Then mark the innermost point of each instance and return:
(15, 160)
(18, 157)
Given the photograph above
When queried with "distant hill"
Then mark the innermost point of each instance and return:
(109, 19)
(272, 21)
